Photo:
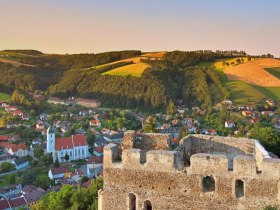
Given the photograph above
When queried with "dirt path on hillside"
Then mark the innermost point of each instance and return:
(14, 63)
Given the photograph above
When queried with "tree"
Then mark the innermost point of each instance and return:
(91, 139)
(6, 167)
(28, 177)
(10, 179)
(66, 157)
(43, 181)
(47, 159)
(171, 109)
(69, 198)
(268, 137)
(56, 163)
(38, 152)
(150, 126)
(238, 61)
(84, 179)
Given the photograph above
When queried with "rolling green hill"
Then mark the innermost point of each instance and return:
(174, 76)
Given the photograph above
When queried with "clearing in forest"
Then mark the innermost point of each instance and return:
(135, 69)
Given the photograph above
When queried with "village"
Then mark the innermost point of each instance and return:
(63, 145)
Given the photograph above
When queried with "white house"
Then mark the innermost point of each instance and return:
(21, 163)
(229, 124)
(75, 146)
(94, 166)
(58, 173)
(19, 150)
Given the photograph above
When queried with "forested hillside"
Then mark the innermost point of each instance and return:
(174, 78)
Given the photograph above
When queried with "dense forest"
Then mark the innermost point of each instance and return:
(174, 78)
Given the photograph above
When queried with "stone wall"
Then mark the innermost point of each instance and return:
(167, 183)
(146, 141)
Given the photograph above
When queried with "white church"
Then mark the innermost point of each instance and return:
(75, 146)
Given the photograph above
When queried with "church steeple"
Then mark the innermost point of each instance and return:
(51, 140)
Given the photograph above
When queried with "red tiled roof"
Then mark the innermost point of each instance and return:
(79, 140)
(59, 170)
(28, 188)
(14, 147)
(99, 149)
(70, 142)
(17, 202)
(4, 204)
(11, 107)
(35, 195)
(79, 172)
(86, 100)
(4, 138)
(95, 159)
(86, 184)
(94, 122)
(63, 143)
(18, 112)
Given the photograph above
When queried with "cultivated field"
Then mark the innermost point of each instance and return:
(254, 73)
(241, 91)
(135, 69)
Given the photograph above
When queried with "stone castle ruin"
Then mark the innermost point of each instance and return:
(203, 172)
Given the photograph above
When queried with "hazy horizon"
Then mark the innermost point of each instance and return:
(94, 26)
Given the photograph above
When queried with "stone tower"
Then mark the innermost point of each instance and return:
(50, 140)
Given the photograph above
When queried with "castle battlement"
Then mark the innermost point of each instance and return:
(155, 160)
(203, 172)
(218, 159)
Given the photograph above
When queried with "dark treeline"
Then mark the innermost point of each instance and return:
(79, 61)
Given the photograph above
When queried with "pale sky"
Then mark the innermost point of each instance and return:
(73, 26)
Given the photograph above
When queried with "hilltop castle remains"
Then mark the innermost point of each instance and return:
(203, 172)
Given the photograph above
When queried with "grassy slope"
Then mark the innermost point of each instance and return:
(132, 69)
(4, 96)
(242, 92)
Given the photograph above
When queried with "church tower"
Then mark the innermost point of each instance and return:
(50, 140)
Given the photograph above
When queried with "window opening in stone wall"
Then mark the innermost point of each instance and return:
(148, 205)
(132, 201)
(208, 184)
(239, 188)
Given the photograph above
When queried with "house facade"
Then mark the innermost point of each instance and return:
(94, 166)
(59, 173)
(21, 163)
